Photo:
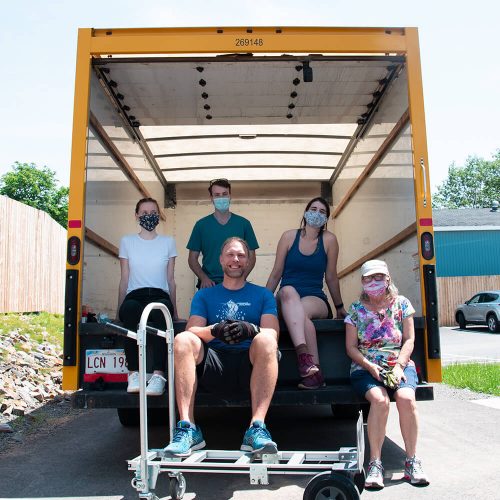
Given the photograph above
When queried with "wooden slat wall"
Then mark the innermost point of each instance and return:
(32, 259)
(457, 289)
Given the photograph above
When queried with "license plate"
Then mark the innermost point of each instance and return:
(105, 361)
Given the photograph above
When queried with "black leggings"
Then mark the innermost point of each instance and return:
(130, 314)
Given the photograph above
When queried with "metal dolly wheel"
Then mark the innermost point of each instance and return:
(336, 474)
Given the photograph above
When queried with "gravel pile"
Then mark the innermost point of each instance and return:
(30, 375)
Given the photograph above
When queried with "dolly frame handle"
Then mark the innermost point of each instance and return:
(140, 337)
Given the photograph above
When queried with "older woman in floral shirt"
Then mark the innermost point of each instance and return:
(379, 339)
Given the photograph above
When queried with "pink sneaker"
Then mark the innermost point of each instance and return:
(306, 365)
(316, 381)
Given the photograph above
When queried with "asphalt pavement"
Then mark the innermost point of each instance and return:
(473, 344)
(84, 457)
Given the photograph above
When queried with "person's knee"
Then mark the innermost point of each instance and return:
(406, 402)
(265, 343)
(380, 402)
(288, 293)
(263, 346)
(185, 344)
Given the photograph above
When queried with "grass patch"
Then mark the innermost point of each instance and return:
(478, 377)
(34, 325)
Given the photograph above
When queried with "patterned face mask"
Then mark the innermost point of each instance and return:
(375, 288)
(222, 203)
(149, 221)
(315, 219)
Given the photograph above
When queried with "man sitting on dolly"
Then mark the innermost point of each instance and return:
(230, 345)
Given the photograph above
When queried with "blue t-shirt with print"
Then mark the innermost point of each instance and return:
(217, 303)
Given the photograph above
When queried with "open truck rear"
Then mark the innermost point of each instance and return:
(286, 114)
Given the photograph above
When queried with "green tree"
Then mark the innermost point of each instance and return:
(38, 188)
(474, 185)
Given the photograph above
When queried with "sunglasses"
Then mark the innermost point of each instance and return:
(218, 181)
(376, 277)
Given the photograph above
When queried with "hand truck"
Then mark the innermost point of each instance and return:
(337, 474)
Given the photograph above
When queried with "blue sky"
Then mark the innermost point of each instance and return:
(459, 43)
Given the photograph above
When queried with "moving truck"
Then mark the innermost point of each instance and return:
(286, 114)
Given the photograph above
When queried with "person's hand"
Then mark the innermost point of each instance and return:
(374, 370)
(234, 332)
(341, 313)
(218, 330)
(206, 282)
(399, 373)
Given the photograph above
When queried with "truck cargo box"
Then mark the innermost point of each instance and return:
(286, 114)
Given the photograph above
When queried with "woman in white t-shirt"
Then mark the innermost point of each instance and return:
(147, 262)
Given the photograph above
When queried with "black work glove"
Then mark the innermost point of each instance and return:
(234, 332)
(218, 330)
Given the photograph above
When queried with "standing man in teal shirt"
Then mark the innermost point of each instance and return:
(210, 232)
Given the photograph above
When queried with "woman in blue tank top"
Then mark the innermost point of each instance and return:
(304, 258)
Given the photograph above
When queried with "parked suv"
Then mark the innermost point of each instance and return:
(482, 309)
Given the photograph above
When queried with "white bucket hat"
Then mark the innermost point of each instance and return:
(374, 267)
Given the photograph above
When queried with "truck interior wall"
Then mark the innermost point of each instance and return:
(263, 206)
(380, 209)
(384, 204)
(403, 264)
(367, 222)
(101, 276)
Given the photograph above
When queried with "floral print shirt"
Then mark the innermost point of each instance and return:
(379, 334)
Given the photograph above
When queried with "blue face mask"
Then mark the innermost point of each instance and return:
(222, 203)
(315, 219)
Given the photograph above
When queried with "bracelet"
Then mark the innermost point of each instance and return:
(339, 306)
(402, 365)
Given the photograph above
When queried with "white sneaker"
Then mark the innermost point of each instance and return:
(375, 475)
(156, 385)
(133, 382)
(414, 472)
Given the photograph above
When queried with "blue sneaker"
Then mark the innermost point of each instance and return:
(185, 440)
(258, 440)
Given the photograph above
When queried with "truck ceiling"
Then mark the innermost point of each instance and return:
(185, 119)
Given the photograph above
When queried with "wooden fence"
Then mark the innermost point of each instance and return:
(457, 289)
(32, 259)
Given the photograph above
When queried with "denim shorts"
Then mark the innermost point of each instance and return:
(362, 381)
